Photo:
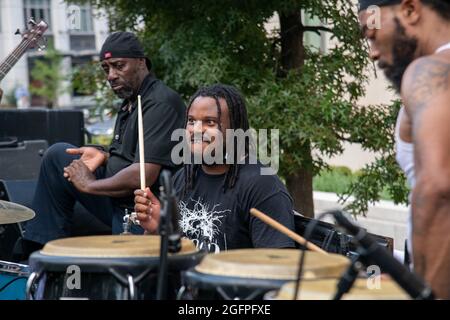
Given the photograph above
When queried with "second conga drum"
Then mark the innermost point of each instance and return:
(105, 268)
(362, 289)
(249, 273)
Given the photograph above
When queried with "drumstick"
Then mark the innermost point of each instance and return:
(141, 144)
(291, 234)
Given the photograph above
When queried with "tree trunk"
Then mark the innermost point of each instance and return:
(292, 48)
(293, 58)
(300, 185)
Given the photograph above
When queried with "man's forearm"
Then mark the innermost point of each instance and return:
(431, 224)
(124, 182)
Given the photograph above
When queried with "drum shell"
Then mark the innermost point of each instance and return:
(13, 278)
(200, 286)
(100, 277)
(325, 289)
(248, 274)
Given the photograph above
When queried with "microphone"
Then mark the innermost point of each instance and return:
(168, 230)
(170, 211)
(378, 255)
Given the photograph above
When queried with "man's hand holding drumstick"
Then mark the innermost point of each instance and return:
(148, 210)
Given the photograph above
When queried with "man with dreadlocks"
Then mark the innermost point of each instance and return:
(215, 199)
(412, 46)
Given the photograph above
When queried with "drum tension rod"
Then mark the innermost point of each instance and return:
(129, 219)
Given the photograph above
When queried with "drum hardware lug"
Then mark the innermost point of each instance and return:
(180, 293)
(131, 287)
(129, 281)
(30, 283)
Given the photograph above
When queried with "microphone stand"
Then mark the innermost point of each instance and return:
(351, 274)
(161, 292)
(170, 238)
(374, 254)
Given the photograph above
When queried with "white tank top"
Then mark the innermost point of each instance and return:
(404, 153)
(444, 47)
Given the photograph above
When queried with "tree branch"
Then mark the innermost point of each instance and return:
(340, 137)
(316, 29)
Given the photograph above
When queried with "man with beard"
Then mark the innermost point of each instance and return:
(104, 181)
(215, 197)
(412, 46)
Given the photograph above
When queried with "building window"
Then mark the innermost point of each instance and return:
(82, 35)
(39, 10)
(86, 19)
(81, 19)
(82, 42)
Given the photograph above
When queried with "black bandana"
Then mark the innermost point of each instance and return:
(364, 4)
(123, 45)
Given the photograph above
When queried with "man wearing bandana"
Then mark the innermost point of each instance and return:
(104, 181)
(411, 43)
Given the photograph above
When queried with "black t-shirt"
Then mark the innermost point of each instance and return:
(222, 221)
(163, 111)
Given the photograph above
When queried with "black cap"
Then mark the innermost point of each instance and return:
(364, 4)
(123, 45)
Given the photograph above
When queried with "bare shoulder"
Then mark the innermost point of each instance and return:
(425, 79)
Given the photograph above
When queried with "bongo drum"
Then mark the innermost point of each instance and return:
(13, 279)
(250, 273)
(363, 289)
(105, 268)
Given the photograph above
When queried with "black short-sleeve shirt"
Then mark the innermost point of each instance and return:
(163, 111)
(222, 220)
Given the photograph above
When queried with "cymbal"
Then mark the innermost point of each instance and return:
(13, 213)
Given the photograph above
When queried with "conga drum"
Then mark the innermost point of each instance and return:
(105, 268)
(362, 289)
(248, 274)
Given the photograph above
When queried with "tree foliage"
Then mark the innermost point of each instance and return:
(312, 97)
(47, 77)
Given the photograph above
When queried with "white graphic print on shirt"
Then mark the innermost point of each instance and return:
(201, 224)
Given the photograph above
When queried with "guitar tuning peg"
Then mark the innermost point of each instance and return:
(42, 44)
(18, 32)
(32, 22)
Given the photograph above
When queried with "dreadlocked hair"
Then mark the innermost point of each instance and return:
(238, 120)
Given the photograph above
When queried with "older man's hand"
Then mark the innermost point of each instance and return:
(80, 175)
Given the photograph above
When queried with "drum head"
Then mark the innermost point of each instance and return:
(275, 264)
(111, 247)
(363, 289)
